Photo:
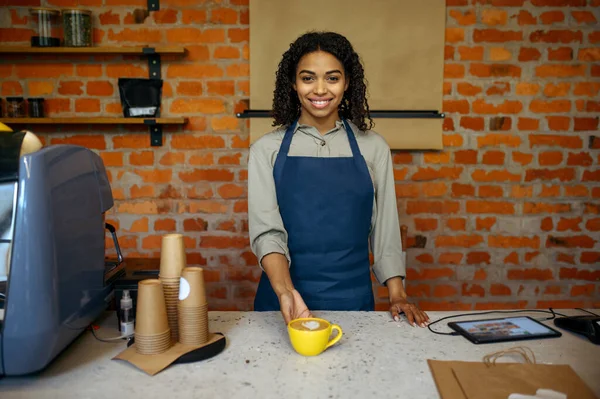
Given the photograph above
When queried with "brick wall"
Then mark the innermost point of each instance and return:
(505, 217)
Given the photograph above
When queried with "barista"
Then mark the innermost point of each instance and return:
(321, 189)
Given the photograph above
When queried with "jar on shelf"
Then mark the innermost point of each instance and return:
(77, 27)
(15, 107)
(36, 107)
(47, 26)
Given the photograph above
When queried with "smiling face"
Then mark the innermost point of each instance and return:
(320, 84)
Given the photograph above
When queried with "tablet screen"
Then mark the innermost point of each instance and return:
(504, 329)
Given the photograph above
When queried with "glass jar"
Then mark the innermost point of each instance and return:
(77, 27)
(36, 107)
(15, 107)
(47, 27)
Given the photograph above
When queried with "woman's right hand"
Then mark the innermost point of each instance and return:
(292, 306)
(290, 301)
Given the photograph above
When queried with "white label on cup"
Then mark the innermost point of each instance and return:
(184, 289)
(311, 325)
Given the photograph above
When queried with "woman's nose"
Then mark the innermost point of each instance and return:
(320, 87)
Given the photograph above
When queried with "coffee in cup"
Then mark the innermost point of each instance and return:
(311, 336)
(309, 325)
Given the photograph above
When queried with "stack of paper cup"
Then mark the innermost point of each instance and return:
(152, 333)
(192, 307)
(172, 262)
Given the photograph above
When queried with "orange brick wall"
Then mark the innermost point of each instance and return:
(507, 216)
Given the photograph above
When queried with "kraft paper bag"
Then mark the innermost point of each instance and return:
(476, 380)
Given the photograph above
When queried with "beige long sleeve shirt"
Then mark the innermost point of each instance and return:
(267, 232)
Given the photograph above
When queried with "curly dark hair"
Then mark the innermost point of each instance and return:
(354, 106)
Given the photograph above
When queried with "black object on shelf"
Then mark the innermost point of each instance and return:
(46, 23)
(42, 41)
(15, 107)
(409, 114)
(36, 107)
(140, 98)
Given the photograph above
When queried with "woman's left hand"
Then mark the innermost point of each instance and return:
(414, 315)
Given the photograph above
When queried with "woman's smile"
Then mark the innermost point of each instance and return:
(320, 104)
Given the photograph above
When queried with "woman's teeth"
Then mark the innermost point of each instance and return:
(319, 103)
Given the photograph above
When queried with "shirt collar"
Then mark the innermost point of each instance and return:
(311, 130)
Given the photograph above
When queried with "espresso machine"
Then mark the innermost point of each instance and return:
(52, 266)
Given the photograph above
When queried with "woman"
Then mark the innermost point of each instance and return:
(321, 187)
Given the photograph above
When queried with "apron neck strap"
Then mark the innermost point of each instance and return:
(351, 139)
(287, 139)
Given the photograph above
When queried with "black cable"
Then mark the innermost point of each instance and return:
(587, 311)
(551, 311)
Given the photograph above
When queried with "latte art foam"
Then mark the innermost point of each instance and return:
(309, 325)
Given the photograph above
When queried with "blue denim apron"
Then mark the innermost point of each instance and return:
(326, 206)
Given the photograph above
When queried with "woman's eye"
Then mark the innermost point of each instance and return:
(306, 78)
(334, 78)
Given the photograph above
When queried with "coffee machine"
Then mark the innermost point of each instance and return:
(52, 267)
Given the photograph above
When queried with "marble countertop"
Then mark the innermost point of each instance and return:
(376, 358)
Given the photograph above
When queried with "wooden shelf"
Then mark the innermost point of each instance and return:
(93, 120)
(153, 56)
(92, 50)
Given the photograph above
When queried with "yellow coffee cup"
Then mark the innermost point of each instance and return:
(311, 336)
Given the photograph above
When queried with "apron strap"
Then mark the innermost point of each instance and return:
(351, 139)
(287, 139)
(283, 151)
(357, 157)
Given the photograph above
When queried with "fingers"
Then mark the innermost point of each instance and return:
(293, 307)
(415, 316)
(395, 312)
(408, 312)
(286, 307)
(300, 308)
(286, 312)
(419, 317)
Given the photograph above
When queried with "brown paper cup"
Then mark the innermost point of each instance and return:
(151, 310)
(169, 280)
(171, 293)
(193, 324)
(172, 256)
(194, 339)
(153, 344)
(191, 287)
(154, 347)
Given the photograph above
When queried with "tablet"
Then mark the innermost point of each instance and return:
(501, 330)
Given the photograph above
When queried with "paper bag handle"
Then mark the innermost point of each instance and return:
(525, 352)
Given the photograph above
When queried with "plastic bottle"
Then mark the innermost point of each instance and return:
(127, 320)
